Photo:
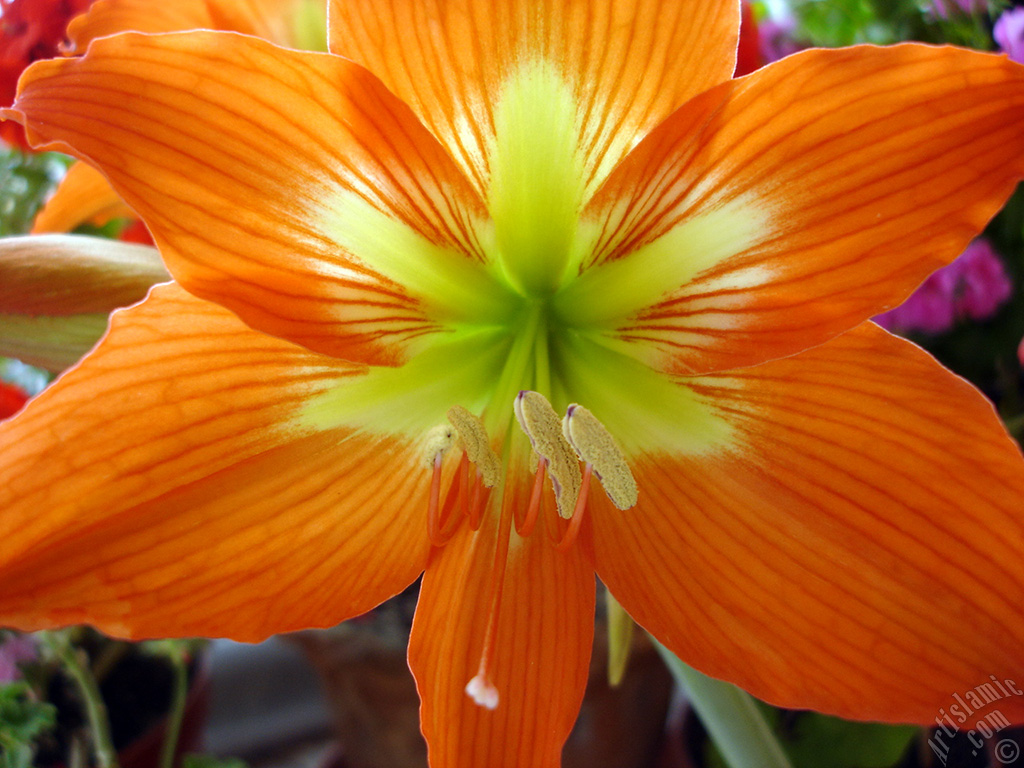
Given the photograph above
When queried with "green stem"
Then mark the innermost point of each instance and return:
(176, 714)
(96, 711)
(78, 753)
(730, 716)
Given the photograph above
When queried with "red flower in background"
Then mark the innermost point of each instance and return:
(29, 30)
(748, 52)
(11, 399)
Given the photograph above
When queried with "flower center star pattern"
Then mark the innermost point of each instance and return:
(513, 293)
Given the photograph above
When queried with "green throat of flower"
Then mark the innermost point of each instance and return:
(524, 314)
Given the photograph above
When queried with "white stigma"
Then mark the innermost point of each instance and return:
(480, 690)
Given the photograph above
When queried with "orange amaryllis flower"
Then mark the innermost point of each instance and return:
(384, 257)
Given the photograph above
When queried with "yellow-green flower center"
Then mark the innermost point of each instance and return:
(522, 317)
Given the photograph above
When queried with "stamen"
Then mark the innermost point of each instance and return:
(478, 502)
(595, 446)
(525, 528)
(433, 508)
(472, 496)
(439, 440)
(441, 525)
(541, 424)
(464, 485)
(456, 493)
(569, 537)
(437, 443)
(477, 446)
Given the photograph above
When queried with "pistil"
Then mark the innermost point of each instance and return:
(481, 688)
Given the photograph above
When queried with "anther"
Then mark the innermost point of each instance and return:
(474, 441)
(542, 425)
(596, 447)
(437, 443)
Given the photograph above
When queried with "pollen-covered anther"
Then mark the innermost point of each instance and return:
(595, 446)
(474, 441)
(541, 424)
(438, 442)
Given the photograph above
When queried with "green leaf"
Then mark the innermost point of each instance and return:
(812, 740)
(23, 719)
(25, 179)
(818, 740)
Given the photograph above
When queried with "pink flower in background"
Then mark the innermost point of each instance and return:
(946, 8)
(13, 650)
(1009, 33)
(974, 286)
(776, 37)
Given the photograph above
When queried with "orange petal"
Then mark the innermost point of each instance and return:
(279, 21)
(628, 63)
(541, 648)
(855, 549)
(338, 230)
(298, 24)
(83, 196)
(786, 207)
(108, 17)
(182, 496)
